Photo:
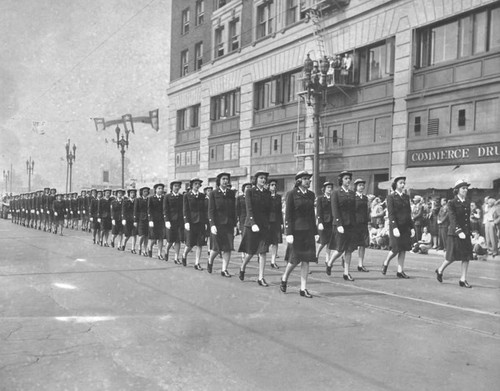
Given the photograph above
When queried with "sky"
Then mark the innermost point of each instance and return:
(66, 62)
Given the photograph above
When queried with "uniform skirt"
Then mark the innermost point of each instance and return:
(325, 235)
(117, 229)
(361, 235)
(403, 243)
(175, 234)
(458, 249)
(275, 236)
(196, 235)
(106, 223)
(343, 242)
(303, 248)
(224, 240)
(157, 232)
(129, 229)
(254, 242)
(143, 228)
(95, 224)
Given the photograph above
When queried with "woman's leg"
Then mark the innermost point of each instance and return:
(304, 272)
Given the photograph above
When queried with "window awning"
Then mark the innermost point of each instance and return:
(480, 176)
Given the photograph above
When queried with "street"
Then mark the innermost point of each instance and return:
(76, 316)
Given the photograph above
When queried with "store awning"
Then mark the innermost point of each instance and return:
(480, 176)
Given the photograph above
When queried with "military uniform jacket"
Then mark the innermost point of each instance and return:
(128, 209)
(241, 209)
(324, 210)
(116, 209)
(74, 206)
(221, 208)
(399, 211)
(276, 214)
(155, 208)
(299, 212)
(195, 208)
(140, 209)
(104, 208)
(93, 202)
(50, 201)
(459, 214)
(38, 203)
(59, 207)
(343, 207)
(258, 205)
(361, 209)
(172, 208)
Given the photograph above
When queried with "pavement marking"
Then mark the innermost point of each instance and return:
(63, 285)
(80, 260)
(84, 319)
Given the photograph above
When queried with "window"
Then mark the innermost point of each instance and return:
(188, 118)
(291, 11)
(198, 56)
(199, 12)
(105, 176)
(275, 145)
(225, 105)
(224, 152)
(487, 115)
(181, 119)
(219, 42)
(234, 37)
(220, 3)
(462, 37)
(417, 126)
(185, 21)
(279, 90)
(461, 117)
(187, 158)
(264, 19)
(195, 116)
(184, 62)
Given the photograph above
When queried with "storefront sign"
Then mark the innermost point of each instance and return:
(463, 154)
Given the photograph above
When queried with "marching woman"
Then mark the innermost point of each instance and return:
(300, 230)
(458, 246)
(222, 221)
(361, 233)
(94, 198)
(104, 216)
(241, 211)
(275, 222)
(324, 218)
(58, 208)
(156, 222)
(343, 241)
(172, 214)
(116, 219)
(401, 229)
(141, 219)
(255, 239)
(128, 220)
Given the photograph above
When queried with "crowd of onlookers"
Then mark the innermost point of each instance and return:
(431, 220)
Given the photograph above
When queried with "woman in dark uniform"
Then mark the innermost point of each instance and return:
(104, 216)
(344, 219)
(458, 246)
(222, 221)
(156, 221)
(95, 196)
(324, 218)
(361, 233)
(255, 238)
(128, 220)
(300, 230)
(141, 219)
(275, 222)
(58, 208)
(401, 229)
(116, 219)
(241, 211)
(174, 224)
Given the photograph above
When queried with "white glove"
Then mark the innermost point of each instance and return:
(135, 225)
(83, 212)
(98, 219)
(289, 239)
(91, 219)
(340, 229)
(37, 212)
(461, 235)
(186, 226)
(55, 213)
(124, 222)
(32, 210)
(41, 210)
(48, 212)
(412, 233)
(168, 225)
(113, 222)
(151, 224)
(396, 233)
(213, 229)
(71, 212)
(316, 237)
(320, 227)
(255, 228)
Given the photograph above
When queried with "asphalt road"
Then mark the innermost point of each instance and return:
(76, 316)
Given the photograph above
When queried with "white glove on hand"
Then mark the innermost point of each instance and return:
(151, 224)
(135, 225)
(99, 220)
(41, 210)
(83, 212)
(396, 233)
(213, 229)
(32, 210)
(187, 227)
(124, 222)
(168, 225)
(316, 237)
(412, 233)
(55, 213)
(461, 235)
(320, 227)
(113, 222)
(340, 229)
(91, 219)
(255, 228)
(289, 239)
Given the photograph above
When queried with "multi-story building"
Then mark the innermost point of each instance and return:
(418, 93)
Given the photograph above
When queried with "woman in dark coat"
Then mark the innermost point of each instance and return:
(174, 223)
(361, 233)
(94, 198)
(141, 219)
(275, 222)
(116, 219)
(128, 220)
(401, 228)
(300, 230)
(256, 234)
(324, 218)
(104, 216)
(458, 246)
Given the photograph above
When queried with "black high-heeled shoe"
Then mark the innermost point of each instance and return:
(328, 269)
(262, 282)
(402, 275)
(160, 257)
(274, 266)
(241, 276)
(439, 276)
(225, 273)
(283, 286)
(362, 269)
(184, 261)
(384, 269)
(198, 267)
(348, 277)
(305, 293)
(464, 284)
(209, 267)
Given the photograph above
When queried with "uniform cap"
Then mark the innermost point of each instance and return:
(461, 182)
(195, 180)
(327, 184)
(345, 173)
(301, 174)
(359, 180)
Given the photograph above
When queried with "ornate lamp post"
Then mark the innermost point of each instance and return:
(30, 166)
(6, 175)
(315, 83)
(70, 158)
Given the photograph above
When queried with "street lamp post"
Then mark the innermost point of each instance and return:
(315, 81)
(70, 158)
(30, 166)
(6, 175)
(122, 145)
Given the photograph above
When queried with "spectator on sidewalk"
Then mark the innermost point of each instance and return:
(424, 244)
(417, 216)
(443, 223)
(478, 245)
(491, 218)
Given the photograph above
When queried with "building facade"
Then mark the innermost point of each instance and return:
(418, 92)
